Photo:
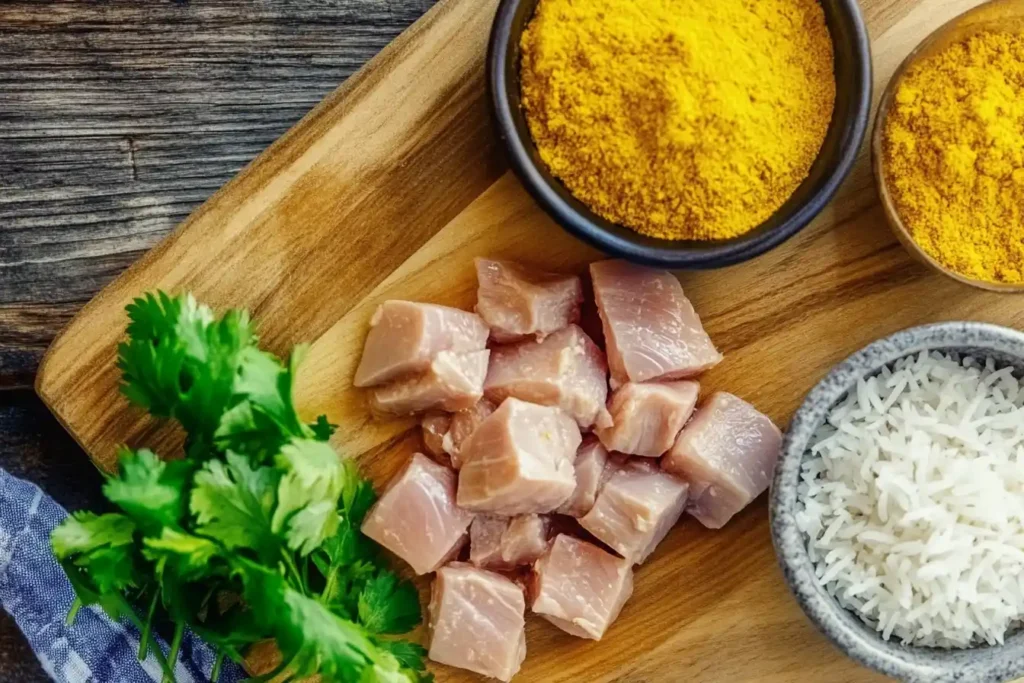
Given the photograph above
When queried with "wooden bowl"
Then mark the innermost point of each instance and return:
(997, 14)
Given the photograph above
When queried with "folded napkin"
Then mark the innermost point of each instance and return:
(37, 594)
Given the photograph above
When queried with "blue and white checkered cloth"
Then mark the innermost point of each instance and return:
(35, 592)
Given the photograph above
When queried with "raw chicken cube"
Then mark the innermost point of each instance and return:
(485, 541)
(727, 453)
(616, 461)
(435, 426)
(504, 543)
(463, 424)
(416, 517)
(477, 621)
(580, 588)
(651, 330)
(454, 381)
(519, 460)
(406, 336)
(525, 540)
(647, 418)
(516, 302)
(636, 508)
(567, 370)
(591, 460)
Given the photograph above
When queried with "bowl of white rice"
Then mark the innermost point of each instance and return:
(897, 508)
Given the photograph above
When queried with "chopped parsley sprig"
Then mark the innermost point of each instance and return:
(254, 533)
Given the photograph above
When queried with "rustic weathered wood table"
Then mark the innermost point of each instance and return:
(116, 120)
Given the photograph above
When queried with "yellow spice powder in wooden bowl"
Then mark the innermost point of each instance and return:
(680, 119)
(954, 156)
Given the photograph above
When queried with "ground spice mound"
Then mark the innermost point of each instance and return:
(954, 156)
(681, 119)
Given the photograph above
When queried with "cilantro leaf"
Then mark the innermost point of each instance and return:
(99, 557)
(84, 532)
(341, 592)
(388, 605)
(259, 375)
(386, 671)
(265, 420)
(151, 360)
(346, 558)
(230, 628)
(319, 642)
(310, 637)
(184, 567)
(388, 668)
(233, 503)
(307, 496)
(310, 525)
(358, 495)
(250, 432)
(180, 363)
(347, 561)
(268, 385)
(149, 490)
(110, 569)
(102, 548)
(348, 546)
(323, 429)
(409, 655)
(190, 556)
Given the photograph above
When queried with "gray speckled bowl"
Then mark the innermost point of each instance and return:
(913, 664)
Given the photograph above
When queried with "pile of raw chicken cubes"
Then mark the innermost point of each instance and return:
(559, 487)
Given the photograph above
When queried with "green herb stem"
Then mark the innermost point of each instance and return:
(148, 630)
(129, 612)
(179, 632)
(289, 562)
(217, 664)
(76, 606)
(332, 580)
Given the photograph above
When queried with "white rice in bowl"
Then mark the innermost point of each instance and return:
(913, 501)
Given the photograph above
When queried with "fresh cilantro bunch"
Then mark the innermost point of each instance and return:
(254, 534)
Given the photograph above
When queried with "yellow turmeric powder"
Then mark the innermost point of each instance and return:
(680, 119)
(954, 156)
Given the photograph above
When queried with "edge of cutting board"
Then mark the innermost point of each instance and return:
(412, 115)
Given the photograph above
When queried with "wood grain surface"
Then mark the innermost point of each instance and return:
(117, 119)
(389, 188)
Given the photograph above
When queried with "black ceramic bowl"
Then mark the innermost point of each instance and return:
(845, 134)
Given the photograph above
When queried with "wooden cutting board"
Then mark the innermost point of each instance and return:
(389, 188)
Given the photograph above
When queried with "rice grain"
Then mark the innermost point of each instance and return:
(913, 501)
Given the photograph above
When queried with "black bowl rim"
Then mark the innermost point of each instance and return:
(586, 227)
